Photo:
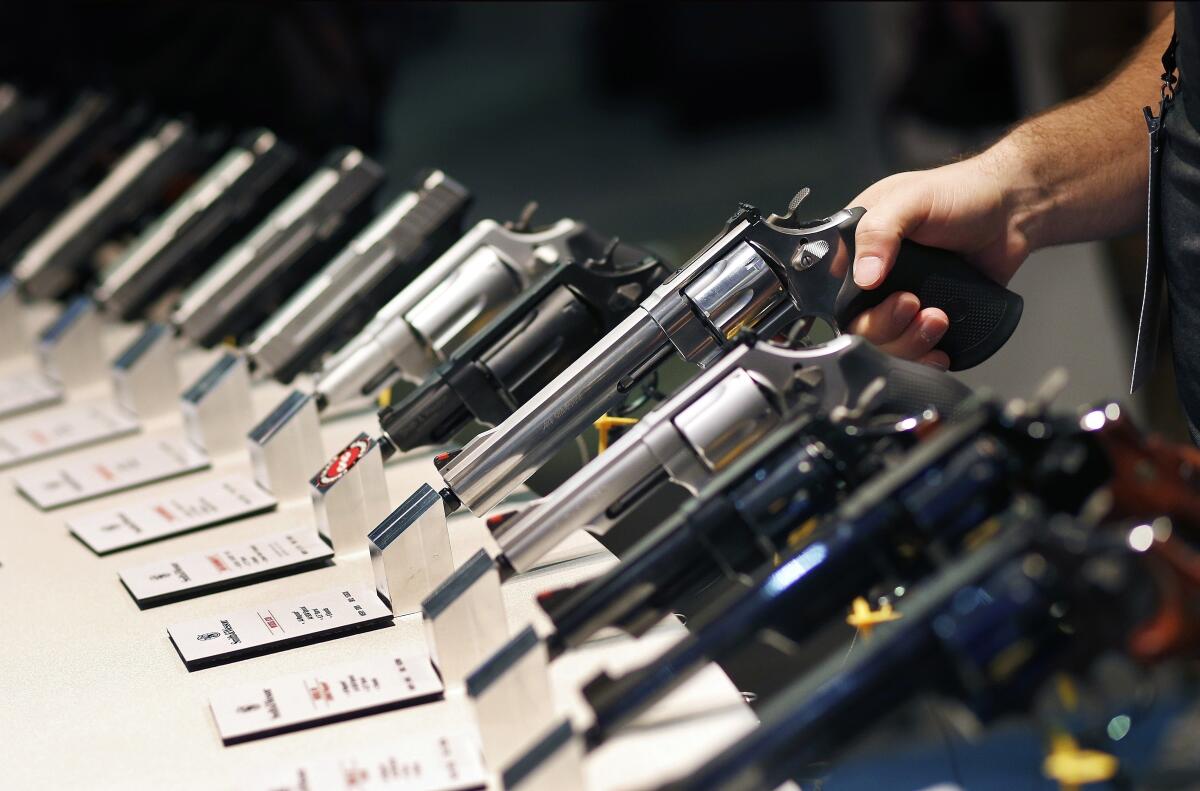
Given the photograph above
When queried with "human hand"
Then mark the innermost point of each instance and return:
(961, 207)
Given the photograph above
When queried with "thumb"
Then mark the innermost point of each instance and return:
(877, 242)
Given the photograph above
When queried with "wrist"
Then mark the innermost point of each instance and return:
(1023, 198)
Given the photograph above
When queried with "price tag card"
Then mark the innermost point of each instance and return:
(313, 617)
(50, 431)
(114, 468)
(431, 763)
(205, 504)
(303, 700)
(220, 568)
(27, 390)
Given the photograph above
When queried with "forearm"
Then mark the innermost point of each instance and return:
(1078, 172)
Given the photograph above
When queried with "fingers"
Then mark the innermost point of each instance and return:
(890, 218)
(888, 320)
(920, 336)
(899, 326)
(936, 358)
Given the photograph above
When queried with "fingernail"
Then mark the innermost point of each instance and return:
(867, 270)
(932, 330)
(905, 311)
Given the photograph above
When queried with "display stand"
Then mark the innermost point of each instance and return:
(410, 551)
(465, 619)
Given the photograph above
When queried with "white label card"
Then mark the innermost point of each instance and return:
(110, 469)
(432, 763)
(281, 624)
(303, 700)
(21, 392)
(204, 504)
(223, 567)
(62, 428)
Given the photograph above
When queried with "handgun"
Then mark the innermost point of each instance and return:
(749, 515)
(529, 343)
(759, 273)
(454, 298)
(989, 631)
(57, 260)
(73, 155)
(706, 426)
(917, 515)
(250, 280)
(383, 258)
(930, 505)
(219, 209)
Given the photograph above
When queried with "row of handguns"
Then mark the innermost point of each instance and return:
(819, 473)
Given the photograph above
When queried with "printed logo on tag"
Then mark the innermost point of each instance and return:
(344, 461)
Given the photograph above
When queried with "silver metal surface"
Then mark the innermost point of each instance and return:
(217, 409)
(735, 290)
(465, 620)
(410, 551)
(350, 496)
(145, 379)
(413, 332)
(722, 409)
(45, 267)
(70, 350)
(313, 212)
(720, 425)
(513, 685)
(464, 302)
(387, 242)
(285, 447)
(709, 424)
(200, 212)
(497, 461)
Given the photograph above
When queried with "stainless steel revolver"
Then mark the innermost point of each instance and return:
(761, 273)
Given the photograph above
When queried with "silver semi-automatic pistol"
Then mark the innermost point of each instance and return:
(55, 261)
(241, 290)
(220, 208)
(378, 262)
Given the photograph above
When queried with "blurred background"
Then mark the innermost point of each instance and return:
(653, 122)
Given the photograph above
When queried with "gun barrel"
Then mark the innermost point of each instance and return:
(51, 263)
(211, 215)
(382, 258)
(497, 461)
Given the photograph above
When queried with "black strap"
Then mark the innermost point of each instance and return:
(1169, 76)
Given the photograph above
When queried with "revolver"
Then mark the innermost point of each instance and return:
(56, 261)
(706, 426)
(378, 262)
(744, 519)
(529, 343)
(250, 280)
(220, 208)
(1045, 597)
(929, 504)
(71, 157)
(760, 273)
(455, 297)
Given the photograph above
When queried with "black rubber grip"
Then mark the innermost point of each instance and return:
(913, 387)
(983, 313)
